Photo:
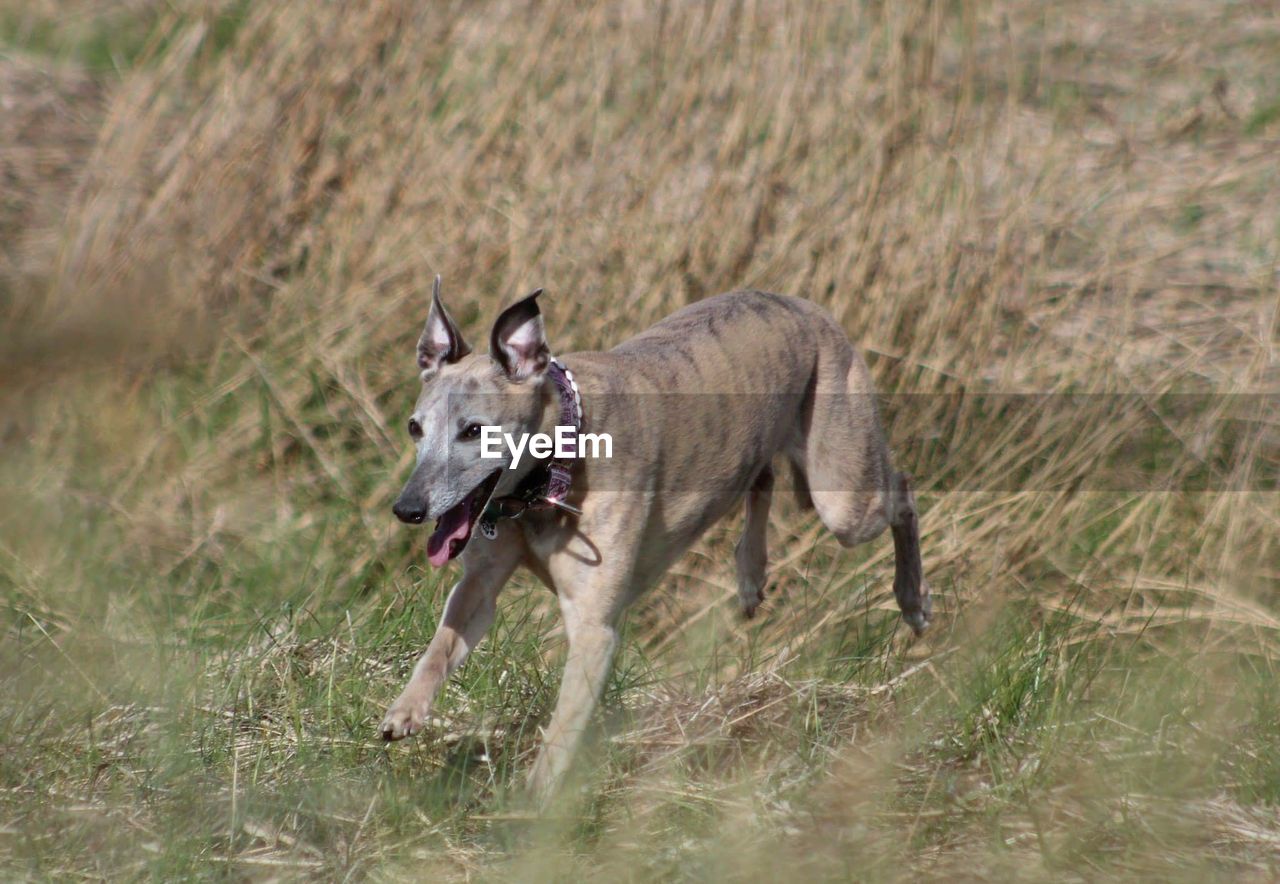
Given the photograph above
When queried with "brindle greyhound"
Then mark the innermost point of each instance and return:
(700, 406)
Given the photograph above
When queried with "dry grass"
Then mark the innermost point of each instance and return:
(49, 123)
(207, 367)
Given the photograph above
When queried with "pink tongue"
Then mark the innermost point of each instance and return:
(455, 524)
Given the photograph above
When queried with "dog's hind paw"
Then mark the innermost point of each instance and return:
(918, 621)
(750, 600)
(919, 616)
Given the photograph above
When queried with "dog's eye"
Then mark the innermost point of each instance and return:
(471, 431)
(415, 429)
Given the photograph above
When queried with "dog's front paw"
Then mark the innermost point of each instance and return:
(403, 719)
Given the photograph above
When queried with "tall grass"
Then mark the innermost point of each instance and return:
(208, 604)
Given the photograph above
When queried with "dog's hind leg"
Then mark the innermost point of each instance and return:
(854, 488)
(751, 554)
(909, 585)
(842, 452)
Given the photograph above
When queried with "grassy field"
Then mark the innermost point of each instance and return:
(218, 225)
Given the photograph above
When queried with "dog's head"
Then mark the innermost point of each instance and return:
(463, 392)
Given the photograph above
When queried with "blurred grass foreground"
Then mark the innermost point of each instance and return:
(218, 225)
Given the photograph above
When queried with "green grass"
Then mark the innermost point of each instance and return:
(1262, 117)
(113, 40)
(97, 45)
(218, 717)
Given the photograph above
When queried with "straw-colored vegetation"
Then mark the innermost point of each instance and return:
(218, 223)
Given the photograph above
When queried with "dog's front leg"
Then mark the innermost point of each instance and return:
(591, 647)
(468, 613)
(591, 601)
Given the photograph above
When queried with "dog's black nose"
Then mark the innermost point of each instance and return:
(410, 513)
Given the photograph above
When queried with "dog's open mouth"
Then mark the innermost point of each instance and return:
(453, 529)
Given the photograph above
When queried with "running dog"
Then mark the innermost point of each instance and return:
(701, 407)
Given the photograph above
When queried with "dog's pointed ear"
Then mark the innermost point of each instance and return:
(441, 342)
(518, 341)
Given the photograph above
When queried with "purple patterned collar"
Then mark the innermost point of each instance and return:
(559, 472)
(546, 486)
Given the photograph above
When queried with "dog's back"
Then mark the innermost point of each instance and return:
(740, 342)
(702, 403)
